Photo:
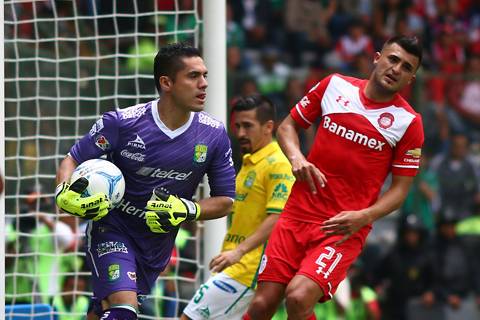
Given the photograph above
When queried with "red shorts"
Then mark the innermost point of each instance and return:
(301, 248)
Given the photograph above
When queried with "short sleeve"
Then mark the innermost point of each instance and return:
(408, 151)
(309, 108)
(221, 173)
(101, 139)
(279, 181)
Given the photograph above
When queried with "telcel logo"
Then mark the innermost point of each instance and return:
(160, 173)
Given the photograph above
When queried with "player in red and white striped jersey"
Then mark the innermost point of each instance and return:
(367, 130)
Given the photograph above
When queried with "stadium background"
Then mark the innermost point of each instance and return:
(68, 61)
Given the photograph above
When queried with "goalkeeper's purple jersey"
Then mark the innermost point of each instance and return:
(151, 155)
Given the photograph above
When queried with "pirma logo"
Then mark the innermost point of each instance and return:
(137, 143)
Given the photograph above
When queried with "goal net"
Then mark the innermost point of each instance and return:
(66, 62)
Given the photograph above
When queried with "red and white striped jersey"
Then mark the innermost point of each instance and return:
(358, 142)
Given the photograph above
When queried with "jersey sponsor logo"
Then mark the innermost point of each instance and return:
(281, 176)
(280, 192)
(160, 173)
(352, 135)
(343, 100)
(137, 143)
(263, 264)
(206, 120)
(97, 127)
(113, 272)
(250, 179)
(200, 153)
(140, 157)
(110, 247)
(414, 153)
(102, 142)
(241, 196)
(126, 207)
(385, 120)
(234, 238)
(132, 275)
(133, 112)
(222, 285)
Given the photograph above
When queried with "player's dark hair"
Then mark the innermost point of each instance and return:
(264, 107)
(411, 44)
(168, 60)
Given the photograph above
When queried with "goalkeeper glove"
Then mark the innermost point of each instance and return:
(166, 212)
(68, 199)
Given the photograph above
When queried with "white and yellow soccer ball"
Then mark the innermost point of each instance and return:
(103, 176)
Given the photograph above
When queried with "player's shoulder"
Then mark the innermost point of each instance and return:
(334, 80)
(400, 102)
(133, 112)
(352, 80)
(207, 121)
(276, 157)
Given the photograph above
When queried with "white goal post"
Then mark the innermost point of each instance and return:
(65, 63)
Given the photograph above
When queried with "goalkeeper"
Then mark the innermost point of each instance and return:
(262, 188)
(163, 148)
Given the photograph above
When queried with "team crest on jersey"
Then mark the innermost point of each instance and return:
(200, 153)
(250, 179)
(102, 142)
(385, 120)
(113, 272)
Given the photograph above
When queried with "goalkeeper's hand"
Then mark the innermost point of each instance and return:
(68, 199)
(165, 212)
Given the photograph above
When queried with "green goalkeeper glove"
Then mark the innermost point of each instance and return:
(166, 212)
(68, 199)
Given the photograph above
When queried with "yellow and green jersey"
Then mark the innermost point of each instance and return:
(262, 188)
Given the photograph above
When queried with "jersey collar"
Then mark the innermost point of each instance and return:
(170, 133)
(262, 153)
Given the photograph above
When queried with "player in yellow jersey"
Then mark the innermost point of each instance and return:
(262, 188)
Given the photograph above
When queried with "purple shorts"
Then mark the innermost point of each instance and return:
(122, 261)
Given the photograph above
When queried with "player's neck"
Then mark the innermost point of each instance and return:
(172, 116)
(376, 93)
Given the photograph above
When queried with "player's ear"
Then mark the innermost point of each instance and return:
(268, 127)
(165, 83)
(376, 57)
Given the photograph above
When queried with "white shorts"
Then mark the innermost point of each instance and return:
(220, 297)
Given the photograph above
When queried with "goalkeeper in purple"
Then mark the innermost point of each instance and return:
(163, 148)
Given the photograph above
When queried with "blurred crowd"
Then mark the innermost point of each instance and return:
(421, 262)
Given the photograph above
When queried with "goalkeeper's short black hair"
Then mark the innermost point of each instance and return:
(264, 107)
(168, 60)
(411, 44)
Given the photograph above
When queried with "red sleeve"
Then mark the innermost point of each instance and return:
(406, 161)
(309, 108)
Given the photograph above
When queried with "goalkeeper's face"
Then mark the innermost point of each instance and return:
(250, 133)
(188, 90)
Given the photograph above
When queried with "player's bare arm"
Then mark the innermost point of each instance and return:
(227, 258)
(287, 135)
(349, 222)
(66, 168)
(215, 207)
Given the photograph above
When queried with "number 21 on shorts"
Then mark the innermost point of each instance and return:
(327, 261)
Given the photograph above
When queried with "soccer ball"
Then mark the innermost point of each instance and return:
(103, 176)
